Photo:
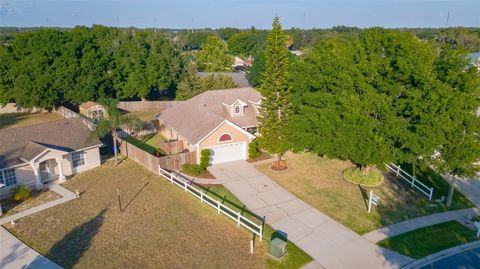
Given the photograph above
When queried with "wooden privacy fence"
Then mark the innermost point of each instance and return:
(217, 204)
(414, 183)
(150, 162)
(171, 147)
(146, 105)
(67, 114)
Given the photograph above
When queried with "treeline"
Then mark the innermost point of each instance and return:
(49, 66)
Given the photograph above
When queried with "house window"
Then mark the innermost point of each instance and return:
(78, 159)
(8, 177)
(237, 110)
(225, 137)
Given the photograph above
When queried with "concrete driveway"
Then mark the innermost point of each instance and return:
(330, 243)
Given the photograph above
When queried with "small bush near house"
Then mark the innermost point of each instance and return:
(372, 179)
(205, 159)
(21, 193)
(192, 169)
(253, 150)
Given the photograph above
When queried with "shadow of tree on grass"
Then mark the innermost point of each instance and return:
(68, 251)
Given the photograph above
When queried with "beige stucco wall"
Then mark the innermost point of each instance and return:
(170, 134)
(92, 160)
(225, 128)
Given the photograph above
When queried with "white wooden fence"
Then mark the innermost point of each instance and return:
(221, 208)
(414, 183)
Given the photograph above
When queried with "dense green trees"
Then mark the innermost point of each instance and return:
(275, 109)
(387, 96)
(48, 66)
(214, 57)
(191, 84)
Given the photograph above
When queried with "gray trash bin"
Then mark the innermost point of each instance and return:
(278, 248)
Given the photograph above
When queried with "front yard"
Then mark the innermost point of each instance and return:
(425, 241)
(160, 226)
(319, 182)
(12, 120)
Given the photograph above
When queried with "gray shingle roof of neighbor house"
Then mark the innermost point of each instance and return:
(195, 118)
(237, 77)
(27, 142)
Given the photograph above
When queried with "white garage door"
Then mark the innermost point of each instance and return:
(228, 152)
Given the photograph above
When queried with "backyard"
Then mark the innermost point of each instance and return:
(148, 143)
(425, 241)
(12, 120)
(144, 115)
(319, 182)
(159, 226)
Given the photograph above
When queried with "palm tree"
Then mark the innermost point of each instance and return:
(114, 120)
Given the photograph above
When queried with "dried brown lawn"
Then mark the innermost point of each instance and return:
(160, 226)
(13, 120)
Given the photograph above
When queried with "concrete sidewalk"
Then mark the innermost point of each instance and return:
(331, 244)
(469, 187)
(66, 196)
(420, 222)
(14, 253)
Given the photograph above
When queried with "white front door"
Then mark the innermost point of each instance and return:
(229, 152)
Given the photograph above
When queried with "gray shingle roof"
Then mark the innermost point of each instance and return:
(195, 118)
(29, 141)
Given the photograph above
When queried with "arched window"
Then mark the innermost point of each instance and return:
(224, 138)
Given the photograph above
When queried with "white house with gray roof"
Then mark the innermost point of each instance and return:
(37, 154)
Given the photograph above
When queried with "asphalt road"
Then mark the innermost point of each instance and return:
(469, 259)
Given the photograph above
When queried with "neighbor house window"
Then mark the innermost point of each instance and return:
(237, 110)
(8, 177)
(78, 159)
(225, 137)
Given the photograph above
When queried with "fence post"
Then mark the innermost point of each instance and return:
(218, 206)
(238, 219)
(413, 182)
(185, 185)
(431, 194)
(201, 196)
(171, 178)
(398, 170)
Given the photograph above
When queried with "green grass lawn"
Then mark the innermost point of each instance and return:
(425, 241)
(441, 187)
(319, 182)
(294, 258)
(12, 120)
(144, 115)
(145, 144)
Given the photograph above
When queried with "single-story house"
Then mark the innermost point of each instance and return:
(224, 121)
(40, 153)
(92, 111)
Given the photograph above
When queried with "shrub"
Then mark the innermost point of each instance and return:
(253, 150)
(192, 169)
(21, 193)
(372, 179)
(205, 158)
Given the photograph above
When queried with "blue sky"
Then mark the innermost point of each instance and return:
(240, 13)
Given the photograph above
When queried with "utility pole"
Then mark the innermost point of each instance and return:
(446, 21)
(155, 24)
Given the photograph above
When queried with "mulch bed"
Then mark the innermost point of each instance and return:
(262, 157)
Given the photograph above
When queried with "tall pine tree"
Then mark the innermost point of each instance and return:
(276, 105)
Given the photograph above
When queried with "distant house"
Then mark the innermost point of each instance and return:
(224, 121)
(37, 154)
(92, 111)
(475, 59)
(237, 77)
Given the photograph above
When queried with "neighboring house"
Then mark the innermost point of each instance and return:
(224, 121)
(237, 77)
(37, 154)
(475, 59)
(92, 111)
